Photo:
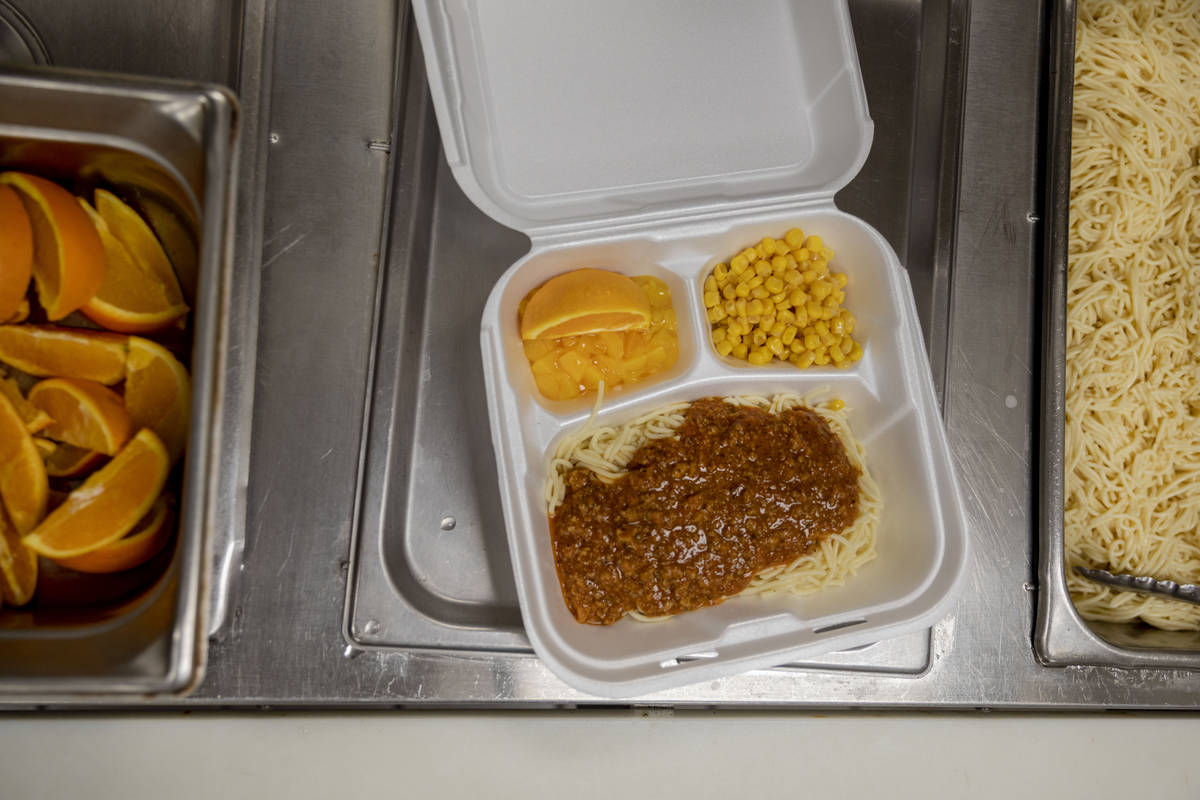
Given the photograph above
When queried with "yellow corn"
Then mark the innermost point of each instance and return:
(759, 356)
(762, 303)
(835, 404)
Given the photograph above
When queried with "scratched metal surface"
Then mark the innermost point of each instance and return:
(326, 163)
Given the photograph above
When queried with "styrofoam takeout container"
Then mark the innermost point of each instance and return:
(658, 139)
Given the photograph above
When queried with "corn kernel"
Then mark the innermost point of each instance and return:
(801, 316)
(719, 335)
(727, 291)
(811, 341)
(836, 355)
(711, 299)
(814, 309)
(779, 265)
(753, 319)
(739, 263)
(776, 346)
(826, 253)
(840, 279)
(721, 272)
(837, 326)
(821, 329)
(794, 238)
(724, 347)
(846, 345)
(716, 314)
(768, 244)
(813, 242)
(792, 278)
(779, 297)
(828, 312)
(742, 290)
(789, 334)
(838, 296)
(820, 290)
(835, 404)
(758, 337)
(804, 360)
(730, 307)
(759, 356)
(821, 359)
(710, 284)
(848, 323)
(797, 297)
(778, 328)
(762, 268)
(755, 282)
(856, 352)
(821, 266)
(773, 284)
(828, 339)
(786, 316)
(760, 251)
(755, 306)
(797, 346)
(808, 276)
(802, 255)
(740, 350)
(767, 322)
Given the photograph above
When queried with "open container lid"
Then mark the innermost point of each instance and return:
(571, 114)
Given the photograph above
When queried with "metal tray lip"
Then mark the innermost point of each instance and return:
(1061, 636)
(217, 137)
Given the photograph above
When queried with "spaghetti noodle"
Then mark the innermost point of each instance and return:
(606, 451)
(1133, 307)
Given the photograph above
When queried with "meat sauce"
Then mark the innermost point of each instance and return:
(736, 491)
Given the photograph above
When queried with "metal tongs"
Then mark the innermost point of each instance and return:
(1188, 592)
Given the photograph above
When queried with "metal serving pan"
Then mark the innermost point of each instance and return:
(171, 145)
(430, 567)
(1062, 637)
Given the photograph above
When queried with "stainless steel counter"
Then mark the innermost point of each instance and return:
(326, 129)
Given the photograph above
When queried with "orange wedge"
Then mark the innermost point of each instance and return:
(158, 393)
(68, 461)
(85, 413)
(177, 239)
(52, 351)
(68, 259)
(142, 544)
(584, 301)
(16, 253)
(139, 293)
(21, 314)
(34, 418)
(18, 565)
(45, 448)
(23, 485)
(108, 504)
